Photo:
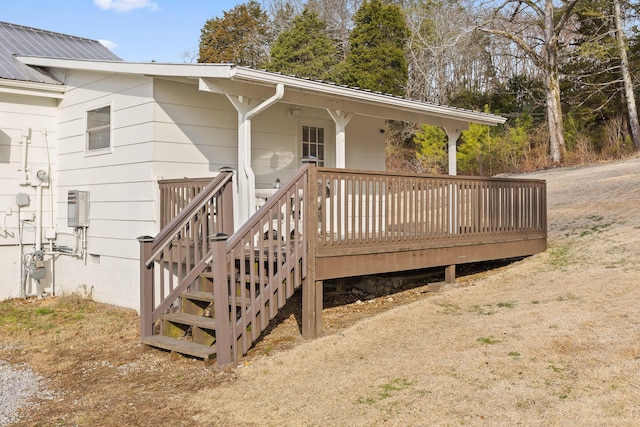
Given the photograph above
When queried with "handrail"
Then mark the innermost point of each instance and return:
(177, 223)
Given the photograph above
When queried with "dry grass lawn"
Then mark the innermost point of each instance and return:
(551, 340)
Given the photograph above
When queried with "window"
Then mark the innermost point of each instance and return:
(99, 129)
(313, 143)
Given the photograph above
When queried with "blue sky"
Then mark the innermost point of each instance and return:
(136, 30)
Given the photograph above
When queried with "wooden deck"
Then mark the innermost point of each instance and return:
(324, 224)
(380, 222)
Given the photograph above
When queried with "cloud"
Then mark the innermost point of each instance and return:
(125, 5)
(108, 44)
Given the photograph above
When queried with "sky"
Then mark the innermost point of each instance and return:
(135, 30)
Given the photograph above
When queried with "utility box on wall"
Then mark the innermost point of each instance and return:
(78, 208)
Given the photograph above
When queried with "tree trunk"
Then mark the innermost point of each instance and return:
(554, 108)
(626, 77)
(554, 118)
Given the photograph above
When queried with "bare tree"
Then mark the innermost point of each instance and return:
(338, 14)
(626, 76)
(282, 13)
(543, 50)
(442, 51)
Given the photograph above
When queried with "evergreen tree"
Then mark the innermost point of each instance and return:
(241, 36)
(304, 50)
(376, 58)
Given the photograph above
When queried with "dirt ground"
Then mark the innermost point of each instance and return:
(551, 340)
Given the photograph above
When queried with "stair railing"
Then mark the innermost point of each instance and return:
(182, 250)
(265, 261)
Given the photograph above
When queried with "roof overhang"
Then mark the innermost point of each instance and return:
(249, 82)
(42, 90)
(137, 68)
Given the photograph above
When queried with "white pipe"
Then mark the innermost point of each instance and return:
(84, 245)
(53, 268)
(22, 178)
(46, 147)
(23, 290)
(38, 236)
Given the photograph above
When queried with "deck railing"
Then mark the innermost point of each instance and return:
(175, 194)
(368, 211)
(172, 260)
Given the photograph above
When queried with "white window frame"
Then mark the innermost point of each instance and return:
(89, 131)
(322, 161)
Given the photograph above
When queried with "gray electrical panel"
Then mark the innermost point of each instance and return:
(77, 208)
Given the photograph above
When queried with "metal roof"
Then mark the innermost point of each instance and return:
(18, 40)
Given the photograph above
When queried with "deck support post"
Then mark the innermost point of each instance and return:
(311, 288)
(146, 287)
(311, 309)
(450, 274)
(226, 352)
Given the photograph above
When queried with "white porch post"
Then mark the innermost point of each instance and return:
(453, 134)
(246, 187)
(341, 119)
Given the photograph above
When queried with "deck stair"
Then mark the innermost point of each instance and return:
(191, 329)
(217, 294)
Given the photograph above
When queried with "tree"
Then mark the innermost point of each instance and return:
(339, 16)
(445, 53)
(376, 59)
(513, 19)
(626, 76)
(282, 14)
(304, 50)
(431, 149)
(241, 36)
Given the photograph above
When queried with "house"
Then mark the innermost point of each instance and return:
(86, 141)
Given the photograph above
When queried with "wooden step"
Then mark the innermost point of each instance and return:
(205, 352)
(209, 297)
(199, 303)
(190, 319)
(198, 296)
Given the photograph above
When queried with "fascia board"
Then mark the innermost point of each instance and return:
(139, 68)
(43, 90)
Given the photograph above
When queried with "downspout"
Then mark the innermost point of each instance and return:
(246, 176)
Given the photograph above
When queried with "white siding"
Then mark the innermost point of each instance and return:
(365, 147)
(16, 113)
(121, 185)
(196, 132)
(275, 151)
